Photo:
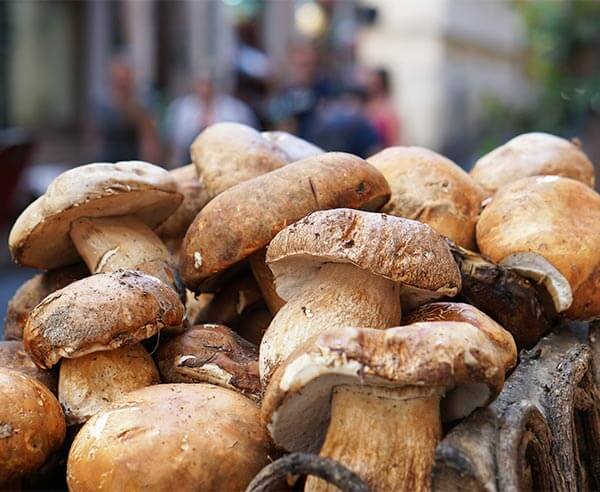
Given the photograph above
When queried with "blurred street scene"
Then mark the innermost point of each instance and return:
(96, 80)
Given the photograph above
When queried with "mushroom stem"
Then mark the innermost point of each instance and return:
(339, 295)
(396, 446)
(107, 244)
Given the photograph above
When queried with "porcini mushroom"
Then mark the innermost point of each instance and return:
(102, 312)
(430, 188)
(548, 228)
(32, 425)
(346, 267)
(104, 213)
(211, 354)
(372, 397)
(88, 384)
(187, 436)
(13, 356)
(32, 292)
(194, 198)
(244, 219)
(532, 154)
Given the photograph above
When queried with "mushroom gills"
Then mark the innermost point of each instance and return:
(403, 426)
(537, 268)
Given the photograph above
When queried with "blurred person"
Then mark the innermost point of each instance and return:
(379, 107)
(188, 115)
(341, 124)
(122, 123)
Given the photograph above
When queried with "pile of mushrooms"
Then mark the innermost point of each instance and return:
(194, 327)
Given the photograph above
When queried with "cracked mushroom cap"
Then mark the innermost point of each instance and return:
(102, 312)
(13, 356)
(194, 436)
(32, 425)
(194, 198)
(406, 251)
(467, 361)
(40, 236)
(226, 154)
(88, 385)
(430, 188)
(211, 354)
(295, 148)
(532, 154)
(244, 219)
(32, 292)
(548, 228)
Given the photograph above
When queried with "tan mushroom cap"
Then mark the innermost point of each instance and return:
(194, 198)
(548, 228)
(32, 425)
(402, 250)
(295, 148)
(226, 154)
(244, 219)
(13, 356)
(102, 312)
(88, 385)
(532, 154)
(430, 188)
(40, 236)
(211, 354)
(447, 355)
(32, 292)
(188, 436)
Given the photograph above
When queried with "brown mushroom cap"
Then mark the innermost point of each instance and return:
(406, 251)
(13, 356)
(548, 228)
(294, 147)
(194, 198)
(89, 384)
(244, 219)
(532, 154)
(40, 236)
(32, 425)
(211, 354)
(102, 312)
(32, 292)
(188, 436)
(226, 154)
(448, 355)
(430, 188)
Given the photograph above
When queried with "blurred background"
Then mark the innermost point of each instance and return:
(101, 80)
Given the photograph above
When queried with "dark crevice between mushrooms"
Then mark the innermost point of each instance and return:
(284, 472)
(543, 430)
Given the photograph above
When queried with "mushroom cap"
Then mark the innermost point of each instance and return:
(32, 425)
(40, 236)
(211, 354)
(405, 251)
(532, 154)
(226, 154)
(430, 188)
(32, 292)
(192, 436)
(102, 312)
(446, 355)
(194, 198)
(88, 385)
(295, 148)
(548, 226)
(13, 356)
(245, 218)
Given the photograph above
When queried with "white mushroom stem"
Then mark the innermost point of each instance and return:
(386, 436)
(107, 244)
(338, 295)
